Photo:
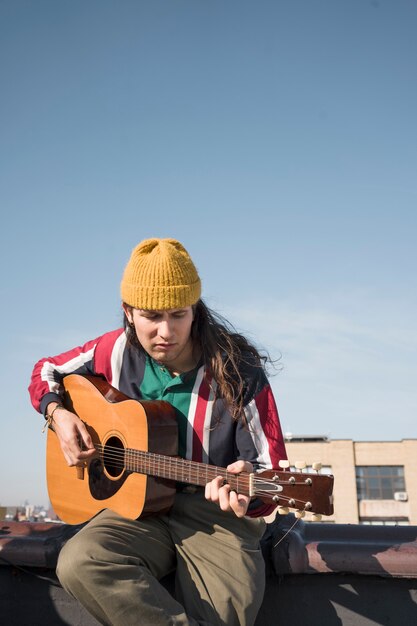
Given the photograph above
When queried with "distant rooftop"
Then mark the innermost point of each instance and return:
(291, 437)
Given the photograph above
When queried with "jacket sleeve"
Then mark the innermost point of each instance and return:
(260, 438)
(48, 373)
(99, 357)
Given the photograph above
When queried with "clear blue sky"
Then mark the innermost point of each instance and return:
(275, 139)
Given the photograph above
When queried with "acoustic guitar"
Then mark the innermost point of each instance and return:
(136, 468)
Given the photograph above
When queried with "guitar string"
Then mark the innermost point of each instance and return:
(291, 528)
(150, 458)
(145, 459)
(117, 454)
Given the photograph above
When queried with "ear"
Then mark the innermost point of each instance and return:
(128, 312)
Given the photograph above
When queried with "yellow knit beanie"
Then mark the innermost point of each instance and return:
(160, 275)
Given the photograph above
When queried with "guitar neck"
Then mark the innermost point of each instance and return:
(181, 470)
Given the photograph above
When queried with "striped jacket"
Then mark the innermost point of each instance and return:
(207, 433)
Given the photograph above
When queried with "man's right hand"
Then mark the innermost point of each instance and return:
(74, 438)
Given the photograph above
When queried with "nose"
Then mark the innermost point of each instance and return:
(165, 330)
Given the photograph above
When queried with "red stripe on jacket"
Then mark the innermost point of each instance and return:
(103, 354)
(268, 412)
(199, 419)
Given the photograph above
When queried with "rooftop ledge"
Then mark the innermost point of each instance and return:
(320, 574)
(306, 548)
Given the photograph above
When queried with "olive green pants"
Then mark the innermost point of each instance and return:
(112, 566)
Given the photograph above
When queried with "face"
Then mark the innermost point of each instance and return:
(165, 335)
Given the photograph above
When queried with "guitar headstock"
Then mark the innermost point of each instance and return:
(297, 487)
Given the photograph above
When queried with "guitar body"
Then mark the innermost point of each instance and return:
(115, 423)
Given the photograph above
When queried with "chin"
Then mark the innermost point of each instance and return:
(162, 357)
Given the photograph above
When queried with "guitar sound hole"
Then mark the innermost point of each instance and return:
(113, 457)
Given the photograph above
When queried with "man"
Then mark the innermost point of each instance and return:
(172, 348)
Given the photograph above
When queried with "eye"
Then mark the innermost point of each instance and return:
(150, 315)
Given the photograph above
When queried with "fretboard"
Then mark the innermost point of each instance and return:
(184, 471)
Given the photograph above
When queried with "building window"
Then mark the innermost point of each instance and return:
(379, 482)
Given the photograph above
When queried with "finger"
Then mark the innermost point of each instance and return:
(86, 455)
(224, 497)
(71, 448)
(79, 457)
(70, 457)
(238, 504)
(67, 458)
(212, 489)
(216, 485)
(240, 466)
(85, 436)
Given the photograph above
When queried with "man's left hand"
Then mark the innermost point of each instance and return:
(226, 498)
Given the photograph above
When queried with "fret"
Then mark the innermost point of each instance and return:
(191, 472)
(181, 470)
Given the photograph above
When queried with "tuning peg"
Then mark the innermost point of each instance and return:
(284, 463)
(283, 510)
(317, 466)
(300, 465)
(315, 517)
(299, 514)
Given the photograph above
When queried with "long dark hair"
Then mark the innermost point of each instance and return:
(224, 351)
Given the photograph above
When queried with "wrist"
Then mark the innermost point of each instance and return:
(50, 414)
(51, 409)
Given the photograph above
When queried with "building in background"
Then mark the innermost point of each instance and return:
(375, 482)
